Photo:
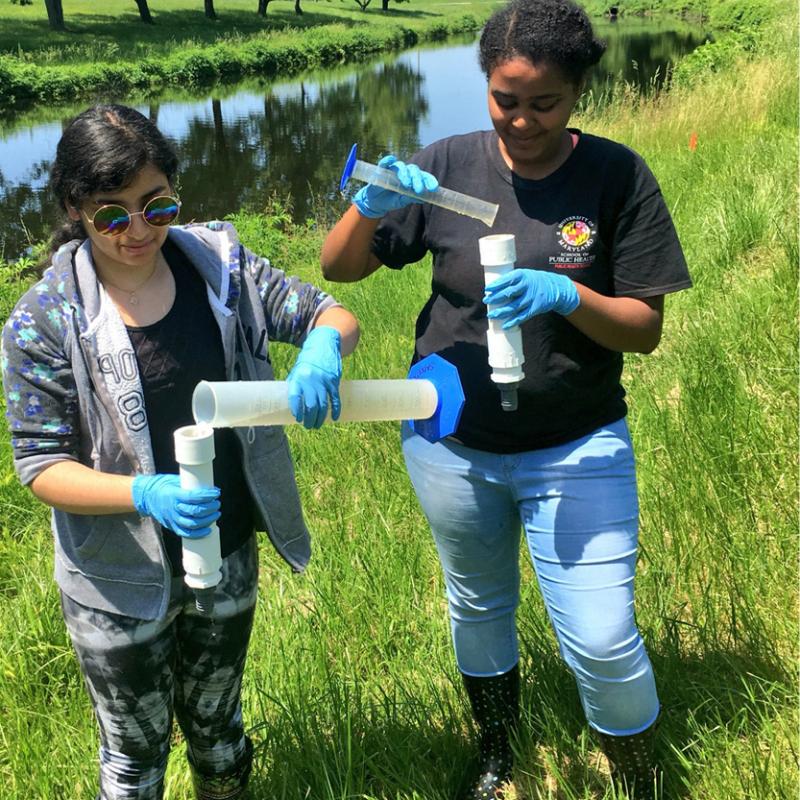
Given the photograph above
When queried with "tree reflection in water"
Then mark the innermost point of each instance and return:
(292, 141)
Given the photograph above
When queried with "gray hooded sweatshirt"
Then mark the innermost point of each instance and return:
(73, 392)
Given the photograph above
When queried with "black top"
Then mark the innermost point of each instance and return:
(599, 218)
(174, 354)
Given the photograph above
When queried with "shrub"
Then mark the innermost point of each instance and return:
(464, 24)
(737, 15)
(113, 78)
(227, 62)
(54, 85)
(437, 32)
(16, 82)
(193, 68)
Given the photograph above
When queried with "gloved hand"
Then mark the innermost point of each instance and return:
(524, 293)
(314, 376)
(187, 512)
(374, 202)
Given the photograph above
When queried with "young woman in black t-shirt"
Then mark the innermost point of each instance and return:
(597, 253)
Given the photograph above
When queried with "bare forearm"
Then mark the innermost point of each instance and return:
(70, 486)
(344, 322)
(346, 253)
(624, 324)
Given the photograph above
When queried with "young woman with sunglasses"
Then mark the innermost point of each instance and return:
(100, 359)
(597, 251)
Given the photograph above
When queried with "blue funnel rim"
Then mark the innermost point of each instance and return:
(450, 401)
(348, 167)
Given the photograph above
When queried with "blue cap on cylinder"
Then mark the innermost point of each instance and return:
(348, 167)
(444, 376)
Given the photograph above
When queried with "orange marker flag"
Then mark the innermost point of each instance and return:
(693, 141)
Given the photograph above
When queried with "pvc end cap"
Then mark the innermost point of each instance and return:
(194, 444)
(348, 167)
(204, 601)
(497, 249)
(444, 376)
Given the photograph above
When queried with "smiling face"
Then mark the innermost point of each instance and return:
(135, 250)
(530, 106)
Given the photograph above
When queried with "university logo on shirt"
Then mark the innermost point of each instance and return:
(575, 236)
(576, 233)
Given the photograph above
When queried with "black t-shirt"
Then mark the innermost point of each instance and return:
(174, 354)
(599, 218)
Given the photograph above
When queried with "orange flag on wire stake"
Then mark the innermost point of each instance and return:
(693, 141)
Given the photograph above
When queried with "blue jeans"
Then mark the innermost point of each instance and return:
(578, 506)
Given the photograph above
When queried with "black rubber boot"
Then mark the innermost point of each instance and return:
(495, 707)
(230, 785)
(632, 762)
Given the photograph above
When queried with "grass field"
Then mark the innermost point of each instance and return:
(351, 689)
(114, 55)
(116, 31)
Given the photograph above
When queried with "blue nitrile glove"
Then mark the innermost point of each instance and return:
(524, 293)
(187, 512)
(374, 202)
(314, 376)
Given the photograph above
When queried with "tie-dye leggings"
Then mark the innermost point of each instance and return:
(139, 671)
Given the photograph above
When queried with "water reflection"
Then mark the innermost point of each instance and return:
(238, 150)
(641, 54)
(294, 141)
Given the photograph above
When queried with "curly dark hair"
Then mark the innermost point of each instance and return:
(554, 31)
(103, 149)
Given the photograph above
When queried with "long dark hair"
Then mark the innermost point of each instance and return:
(102, 150)
(556, 32)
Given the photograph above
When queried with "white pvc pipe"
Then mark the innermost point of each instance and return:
(202, 559)
(232, 404)
(506, 357)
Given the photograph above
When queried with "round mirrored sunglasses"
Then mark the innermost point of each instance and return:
(113, 220)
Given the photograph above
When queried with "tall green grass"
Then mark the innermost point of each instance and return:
(351, 690)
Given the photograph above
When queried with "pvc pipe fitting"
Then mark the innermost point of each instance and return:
(432, 394)
(506, 356)
(202, 559)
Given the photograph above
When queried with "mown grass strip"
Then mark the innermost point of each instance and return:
(23, 84)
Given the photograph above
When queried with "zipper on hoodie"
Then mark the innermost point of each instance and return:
(101, 391)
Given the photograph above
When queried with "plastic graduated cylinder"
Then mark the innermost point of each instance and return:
(202, 560)
(444, 198)
(506, 356)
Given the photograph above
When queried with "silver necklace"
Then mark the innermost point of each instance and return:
(133, 298)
